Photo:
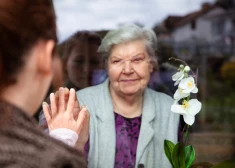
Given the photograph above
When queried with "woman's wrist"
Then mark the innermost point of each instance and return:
(65, 135)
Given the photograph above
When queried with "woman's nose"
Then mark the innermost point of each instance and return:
(85, 68)
(127, 69)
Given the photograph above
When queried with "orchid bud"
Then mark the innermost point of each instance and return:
(181, 66)
(187, 69)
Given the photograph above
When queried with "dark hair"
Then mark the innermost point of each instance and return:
(22, 24)
(86, 37)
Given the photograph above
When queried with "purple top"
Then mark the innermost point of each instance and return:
(127, 134)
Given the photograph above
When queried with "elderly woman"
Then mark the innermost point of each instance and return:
(28, 37)
(129, 121)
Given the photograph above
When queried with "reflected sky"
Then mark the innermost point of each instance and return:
(73, 15)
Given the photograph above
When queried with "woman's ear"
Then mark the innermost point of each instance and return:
(44, 60)
(151, 66)
(154, 64)
(105, 62)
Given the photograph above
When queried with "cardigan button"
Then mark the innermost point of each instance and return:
(141, 165)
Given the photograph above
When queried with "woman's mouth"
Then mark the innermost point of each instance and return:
(128, 80)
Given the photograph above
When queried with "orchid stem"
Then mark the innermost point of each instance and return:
(176, 59)
(185, 134)
(194, 75)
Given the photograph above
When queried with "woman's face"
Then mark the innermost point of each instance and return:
(81, 62)
(129, 68)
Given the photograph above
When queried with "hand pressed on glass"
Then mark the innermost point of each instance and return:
(64, 111)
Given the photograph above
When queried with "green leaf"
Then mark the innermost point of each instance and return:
(177, 156)
(168, 147)
(189, 156)
(182, 156)
(202, 165)
(225, 164)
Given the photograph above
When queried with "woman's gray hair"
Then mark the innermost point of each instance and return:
(129, 33)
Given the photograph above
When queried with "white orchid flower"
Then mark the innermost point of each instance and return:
(188, 109)
(188, 85)
(179, 94)
(178, 76)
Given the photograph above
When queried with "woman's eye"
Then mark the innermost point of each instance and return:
(94, 62)
(138, 59)
(79, 61)
(116, 61)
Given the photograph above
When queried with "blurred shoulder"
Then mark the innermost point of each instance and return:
(162, 103)
(92, 90)
(164, 98)
(90, 96)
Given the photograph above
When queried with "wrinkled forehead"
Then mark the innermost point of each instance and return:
(129, 49)
(130, 57)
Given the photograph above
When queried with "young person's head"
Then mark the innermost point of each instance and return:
(81, 58)
(27, 37)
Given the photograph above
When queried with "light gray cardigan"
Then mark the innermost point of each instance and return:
(158, 123)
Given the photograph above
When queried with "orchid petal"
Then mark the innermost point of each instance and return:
(177, 109)
(195, 90)
(188, 119)
(177, 76)
(194, 106)
(184, 82)
(191, 78)
(181, 77)
(188, 90)
(177, 82)
(179, 95)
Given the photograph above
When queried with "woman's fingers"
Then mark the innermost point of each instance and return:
(66, 96)
(83, 114)
(85, 128)
(61, 100)
(53, 105)
(76, 108)
(84, 133)
(77, 104)
(46, 111)
(71, 101)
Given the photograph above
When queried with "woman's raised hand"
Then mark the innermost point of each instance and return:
(64, 111)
